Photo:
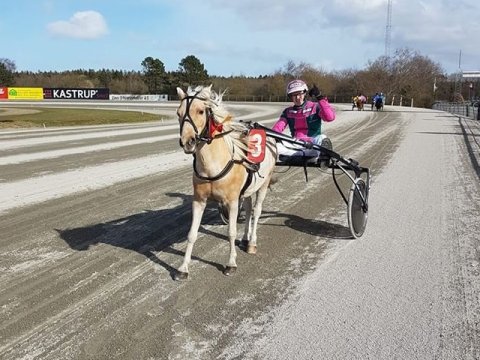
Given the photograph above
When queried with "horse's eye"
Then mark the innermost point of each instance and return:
(201, 112)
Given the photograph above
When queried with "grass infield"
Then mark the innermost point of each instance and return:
(53, 117)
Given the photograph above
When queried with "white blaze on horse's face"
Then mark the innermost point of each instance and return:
(192, 119)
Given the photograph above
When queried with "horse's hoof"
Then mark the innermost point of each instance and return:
(180, 275)
(229, 270)
(252, 249)
(243, 244)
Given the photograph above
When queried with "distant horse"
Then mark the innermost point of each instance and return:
(222, 168)
(358, 102)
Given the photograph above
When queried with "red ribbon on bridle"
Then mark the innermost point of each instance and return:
(213, 126)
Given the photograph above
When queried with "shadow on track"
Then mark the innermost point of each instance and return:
(151, 232)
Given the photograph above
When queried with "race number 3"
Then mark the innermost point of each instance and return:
(256, 145)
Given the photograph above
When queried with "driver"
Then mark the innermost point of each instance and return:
(304, 119)
(378, 98)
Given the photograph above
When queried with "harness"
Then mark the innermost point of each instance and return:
(205, 136)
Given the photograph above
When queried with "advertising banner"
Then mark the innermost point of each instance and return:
(3, 93)
(131, 97)
(25, 93)
(76, 93)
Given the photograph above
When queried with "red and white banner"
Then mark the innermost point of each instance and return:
(3, 93)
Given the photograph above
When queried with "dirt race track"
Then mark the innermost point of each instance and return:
(93, 222)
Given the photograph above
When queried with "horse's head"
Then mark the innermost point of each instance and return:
(200, 115)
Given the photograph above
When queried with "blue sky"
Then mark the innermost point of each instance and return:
(247, 37)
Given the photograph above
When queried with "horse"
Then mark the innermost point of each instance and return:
(358, 102)
(222, 169)
(379, 104)
(361, 101)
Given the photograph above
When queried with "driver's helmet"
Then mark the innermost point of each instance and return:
(296, 86)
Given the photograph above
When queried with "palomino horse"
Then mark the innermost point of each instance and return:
(222, 169)
(358, 102)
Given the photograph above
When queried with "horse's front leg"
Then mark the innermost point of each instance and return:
(198, 207)
(232, 235)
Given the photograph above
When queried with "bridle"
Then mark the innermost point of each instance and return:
(205, 136)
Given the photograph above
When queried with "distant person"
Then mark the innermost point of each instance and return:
(374, 98)
(379, 101)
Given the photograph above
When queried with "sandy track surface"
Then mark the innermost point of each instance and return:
(94, 220)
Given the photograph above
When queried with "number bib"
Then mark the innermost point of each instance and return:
(256, 145)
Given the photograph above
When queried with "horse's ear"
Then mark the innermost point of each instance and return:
(180, 93)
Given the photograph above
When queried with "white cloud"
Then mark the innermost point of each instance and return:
(82, 25)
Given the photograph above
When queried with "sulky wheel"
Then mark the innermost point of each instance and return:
(358, 208)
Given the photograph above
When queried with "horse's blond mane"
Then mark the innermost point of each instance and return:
(212, 100)
(235, 132)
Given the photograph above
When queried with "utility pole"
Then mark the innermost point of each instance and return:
(388, 39)
(388, 30)
(457, 95)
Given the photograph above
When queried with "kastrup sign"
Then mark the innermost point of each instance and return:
(76, 94)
